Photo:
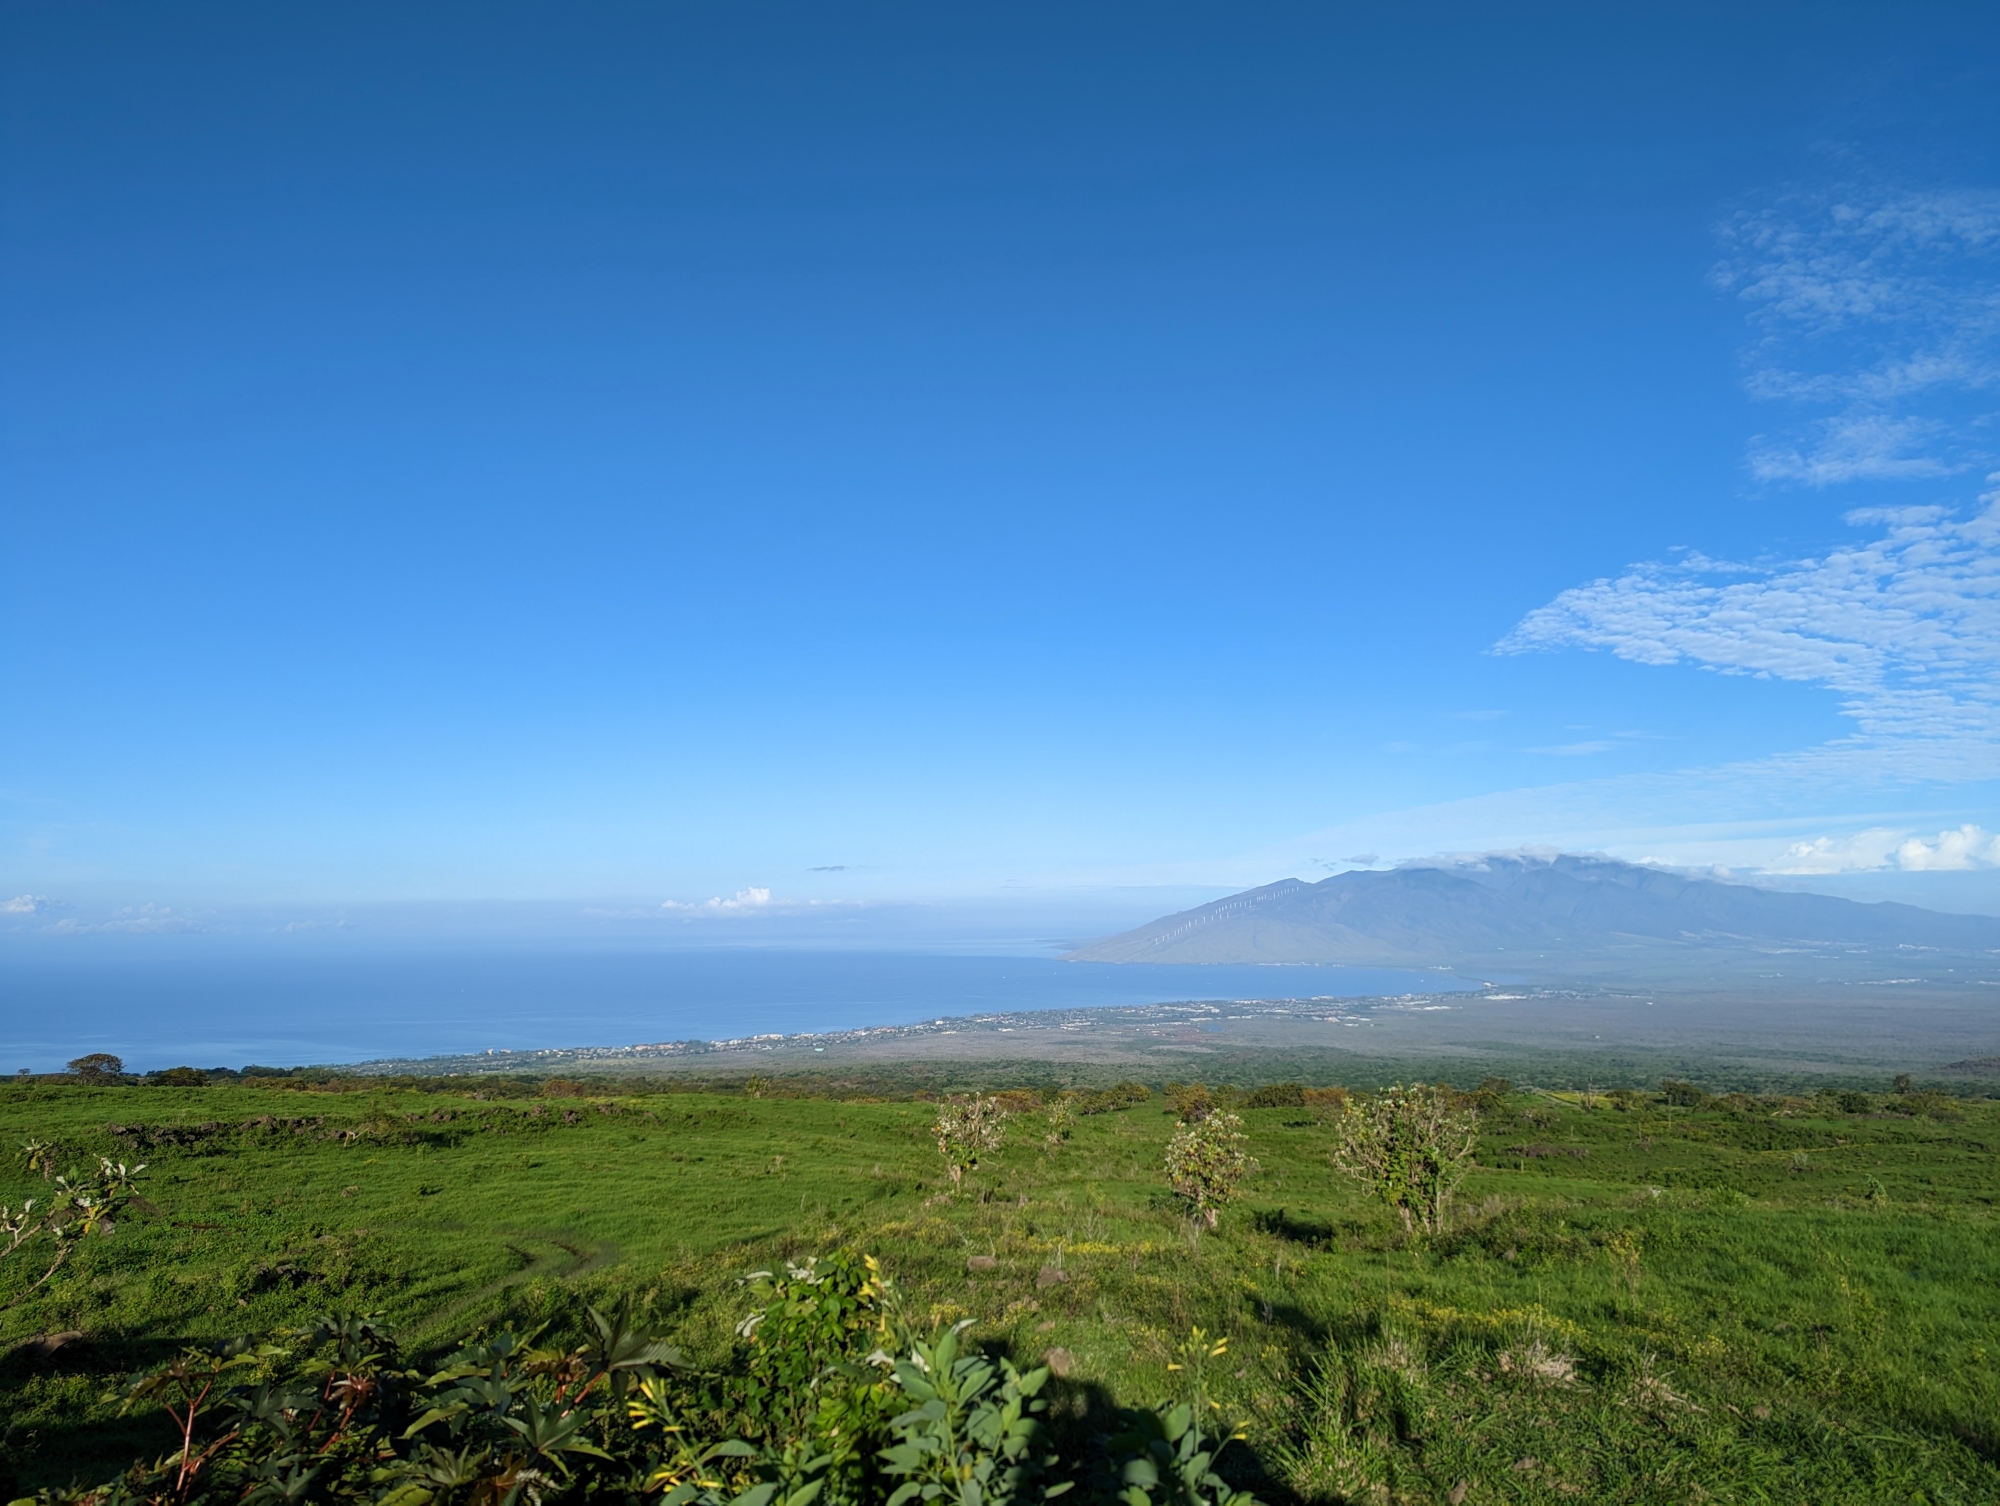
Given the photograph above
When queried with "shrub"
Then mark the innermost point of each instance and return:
(1854, 1103)
(1326, 1100)
(179, 1077)
(1409, 1147)
(1125, 1095)
(1490, 1097)
(1206, 1163)
(965, 1130)
(1277, 1095)
(1681, 1095)
(1190, 1101)
(1062, 1123)
(1931, 1104)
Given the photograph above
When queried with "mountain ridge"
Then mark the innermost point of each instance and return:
(1510, 909)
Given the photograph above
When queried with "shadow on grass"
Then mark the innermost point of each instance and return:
(1279, 1224)
(48, 1439)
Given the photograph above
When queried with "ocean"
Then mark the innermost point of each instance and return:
(205, 1007)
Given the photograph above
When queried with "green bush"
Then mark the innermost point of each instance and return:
(1409, 1147)
(1114, 1099)
(1682, 1095)
(179, 1077)
(1277, 1095)
(1206, 1163)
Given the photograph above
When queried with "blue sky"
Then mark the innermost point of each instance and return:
(709, 460)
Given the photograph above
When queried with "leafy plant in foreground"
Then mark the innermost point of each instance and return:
(806, 1374)
(972, 1437)
(1167, 1458)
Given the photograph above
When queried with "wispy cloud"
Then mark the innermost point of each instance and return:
(1881, 311)
(24, 904)
(1857, 447)
(138, 920)
(1576, 750)
(1905, 627)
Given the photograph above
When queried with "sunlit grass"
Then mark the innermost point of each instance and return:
(1629, 1305)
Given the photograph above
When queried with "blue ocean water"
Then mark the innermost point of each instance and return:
(159, 1007)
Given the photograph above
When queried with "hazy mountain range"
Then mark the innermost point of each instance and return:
(1563, 914)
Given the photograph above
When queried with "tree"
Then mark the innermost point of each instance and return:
(1409, 1147)
(965, 1130)
(98, 1066)
(1205, 1163)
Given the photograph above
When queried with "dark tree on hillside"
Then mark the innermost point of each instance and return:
(98, 1066)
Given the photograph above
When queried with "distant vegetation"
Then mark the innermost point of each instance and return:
(498, 1292)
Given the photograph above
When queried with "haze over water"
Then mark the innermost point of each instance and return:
(212, 1008)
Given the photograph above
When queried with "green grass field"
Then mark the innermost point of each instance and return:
(1777, 1301)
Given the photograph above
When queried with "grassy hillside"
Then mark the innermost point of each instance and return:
(1758, 1299)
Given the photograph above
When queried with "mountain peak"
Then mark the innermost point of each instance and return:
(1516, 909)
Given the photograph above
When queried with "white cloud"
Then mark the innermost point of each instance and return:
(1864, 852)
(1882, 306)
(1968, 847)
(745, 899)
(1882, 848)
(1904, 627)
(24, 904)
(1576, 750)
